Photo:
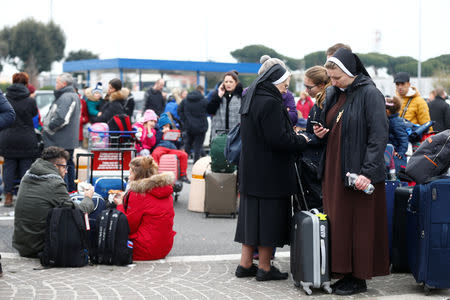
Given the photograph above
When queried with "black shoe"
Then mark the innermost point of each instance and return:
(246, 272)
(351, 287)
(340, 282)
(273, 274)
(185, 179)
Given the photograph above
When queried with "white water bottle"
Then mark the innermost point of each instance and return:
(352, 179)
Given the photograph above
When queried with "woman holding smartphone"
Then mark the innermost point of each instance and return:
(225, 104)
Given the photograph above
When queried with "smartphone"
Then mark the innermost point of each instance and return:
(316, 123)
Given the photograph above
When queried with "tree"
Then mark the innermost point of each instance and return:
(314, 59)
(81, 55)
(32, 46)
(253, 53)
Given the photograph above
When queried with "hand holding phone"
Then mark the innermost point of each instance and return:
(316, 123)
(221, 90)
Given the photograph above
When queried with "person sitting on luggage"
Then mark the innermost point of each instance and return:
(42, 189)
(146, 135)
(148, 205)
(397, 131)
(169, 147)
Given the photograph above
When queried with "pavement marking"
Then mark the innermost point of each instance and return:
(7, 218)
(172, 259)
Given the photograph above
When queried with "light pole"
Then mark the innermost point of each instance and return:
(419, 63)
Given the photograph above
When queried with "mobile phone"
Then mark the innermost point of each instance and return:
(316, 123)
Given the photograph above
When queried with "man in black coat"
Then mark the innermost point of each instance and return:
(192, 112)
(155, 99)
(440, 111)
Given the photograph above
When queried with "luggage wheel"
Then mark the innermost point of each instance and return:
(306, 287)
(327, 288)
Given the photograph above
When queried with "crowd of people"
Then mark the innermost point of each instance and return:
(346, 129)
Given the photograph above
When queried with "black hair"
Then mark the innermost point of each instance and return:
(52, 153)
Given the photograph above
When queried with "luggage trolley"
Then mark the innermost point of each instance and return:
(110, 153)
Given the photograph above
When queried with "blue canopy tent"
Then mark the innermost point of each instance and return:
(162, 66)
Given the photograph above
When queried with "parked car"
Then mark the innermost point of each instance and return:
(44, 99)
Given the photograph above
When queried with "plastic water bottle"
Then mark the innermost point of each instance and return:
(352, 179)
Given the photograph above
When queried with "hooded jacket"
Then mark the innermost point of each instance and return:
(114, 106)
(397, 134)
(7, 114)
(61, 124)
(42, 188)
(19, 140)
(417, 112)
(192, 111)
(149, 210)
(364, 129)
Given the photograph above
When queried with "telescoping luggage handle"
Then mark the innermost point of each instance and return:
(299, 182)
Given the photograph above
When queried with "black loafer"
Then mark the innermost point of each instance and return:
(246, 272)
(273, 274)
(340, 282)
(351, 287)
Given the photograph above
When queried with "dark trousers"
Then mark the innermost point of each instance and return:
(13, 171)
(70, 176)
(195, 141)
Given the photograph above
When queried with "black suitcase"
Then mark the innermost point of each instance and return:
(399, 254)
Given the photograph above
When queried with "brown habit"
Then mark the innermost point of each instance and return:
(358, 222)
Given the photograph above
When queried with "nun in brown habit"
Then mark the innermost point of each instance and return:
(355, 131)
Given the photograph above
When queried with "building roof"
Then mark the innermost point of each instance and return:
(161, 65)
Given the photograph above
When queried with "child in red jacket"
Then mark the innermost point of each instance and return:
(148, 205)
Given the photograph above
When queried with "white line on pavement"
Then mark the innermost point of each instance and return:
(173, 259)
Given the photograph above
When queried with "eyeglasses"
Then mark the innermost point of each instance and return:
(63, 166)
(309, 87)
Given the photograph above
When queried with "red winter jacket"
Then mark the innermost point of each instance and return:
(305, 107)
(150, 216)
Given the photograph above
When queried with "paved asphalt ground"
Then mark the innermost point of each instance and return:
(201, 265)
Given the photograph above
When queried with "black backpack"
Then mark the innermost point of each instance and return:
(112, 246)
(66, 239)
(121, 140)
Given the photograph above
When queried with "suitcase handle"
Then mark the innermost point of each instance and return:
(323, 254)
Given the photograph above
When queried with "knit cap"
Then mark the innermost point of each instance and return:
(98, 89)
(149, 115)
(163, 120)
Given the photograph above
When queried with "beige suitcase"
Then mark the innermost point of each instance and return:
(197, 192)
(220, 194)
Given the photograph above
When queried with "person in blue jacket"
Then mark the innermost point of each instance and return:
(397, 131)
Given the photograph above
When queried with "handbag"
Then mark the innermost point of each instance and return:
(232, 149)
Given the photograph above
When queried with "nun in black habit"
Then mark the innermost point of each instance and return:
(266, 171)
(356, 131)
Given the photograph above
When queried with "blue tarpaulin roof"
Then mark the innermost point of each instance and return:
(161, 65)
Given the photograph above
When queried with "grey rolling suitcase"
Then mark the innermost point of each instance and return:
(310, 259)
(220, 194)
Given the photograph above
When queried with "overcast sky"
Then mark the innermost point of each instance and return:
(210, 30)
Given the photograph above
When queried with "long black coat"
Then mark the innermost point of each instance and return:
(19, 140)
(192, 112)
(269, 146)
(115, 106)
(440, 113)
(365, 130)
